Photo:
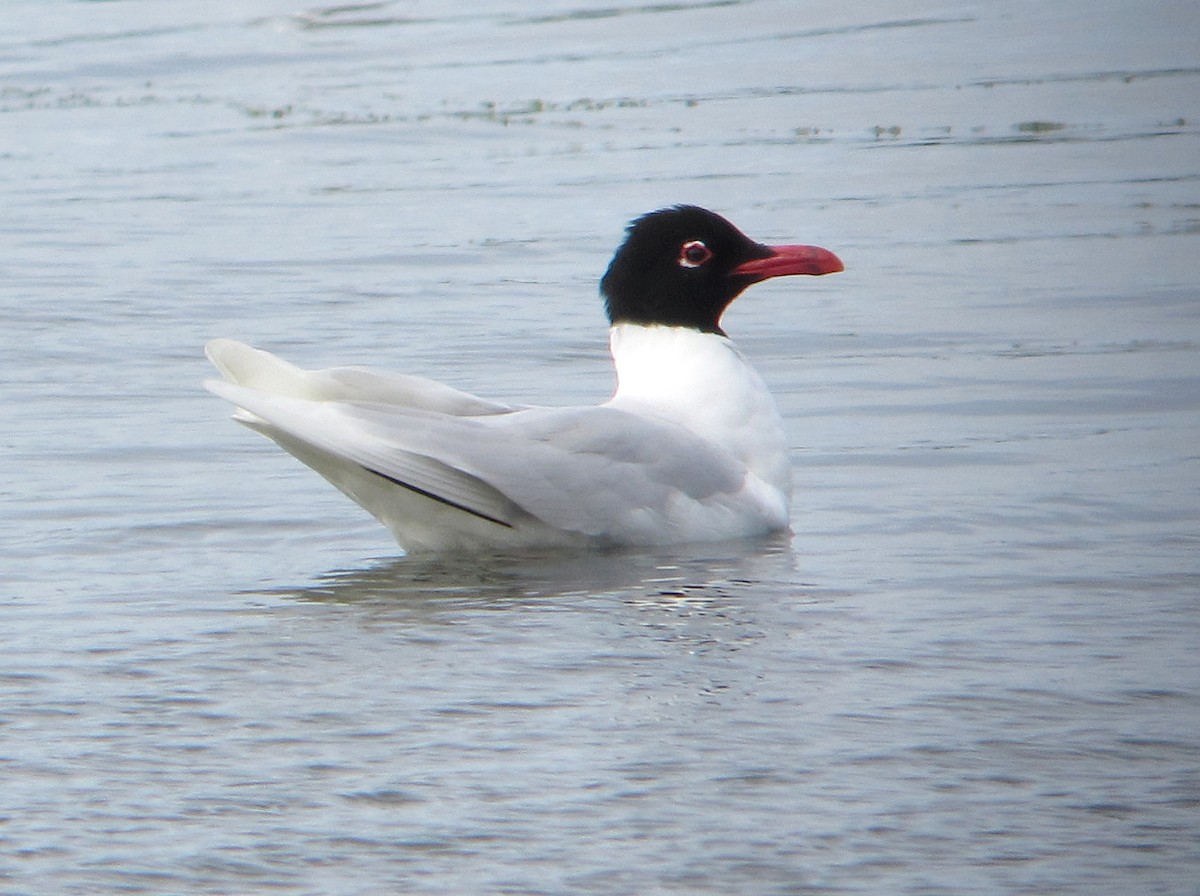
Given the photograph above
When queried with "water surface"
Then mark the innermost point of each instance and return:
(970, 668)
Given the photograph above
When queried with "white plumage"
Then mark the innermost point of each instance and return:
(689, 448)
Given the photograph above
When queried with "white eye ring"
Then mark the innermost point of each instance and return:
(694, 253)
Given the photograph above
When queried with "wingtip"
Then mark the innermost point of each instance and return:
(217, 387)
(232, 392)
(214, 347)
(224, 354)
(248, 366)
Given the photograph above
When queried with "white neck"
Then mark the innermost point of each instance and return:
(701, 381)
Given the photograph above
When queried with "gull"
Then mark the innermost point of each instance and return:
(690, 448)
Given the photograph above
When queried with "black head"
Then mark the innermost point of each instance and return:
(682, 267)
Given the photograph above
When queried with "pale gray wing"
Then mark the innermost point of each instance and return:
(590, 470)
(256, 369)
(361, 384)
(324, 437)
(604, 468)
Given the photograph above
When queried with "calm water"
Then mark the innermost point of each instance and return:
(973, 668)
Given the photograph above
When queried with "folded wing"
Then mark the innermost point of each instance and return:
(251, 367)
(596, 471)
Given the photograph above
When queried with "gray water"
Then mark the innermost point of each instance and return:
(973, 666)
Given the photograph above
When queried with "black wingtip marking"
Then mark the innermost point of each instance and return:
(440, 499)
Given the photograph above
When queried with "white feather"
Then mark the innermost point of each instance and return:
(689, 449)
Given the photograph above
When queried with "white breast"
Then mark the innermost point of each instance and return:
(701, 381)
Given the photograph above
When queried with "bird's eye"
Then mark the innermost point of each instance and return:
(693, 254)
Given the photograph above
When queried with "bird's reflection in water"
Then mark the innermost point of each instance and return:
(446, 582)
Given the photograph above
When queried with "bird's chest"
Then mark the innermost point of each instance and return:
(703, 383)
